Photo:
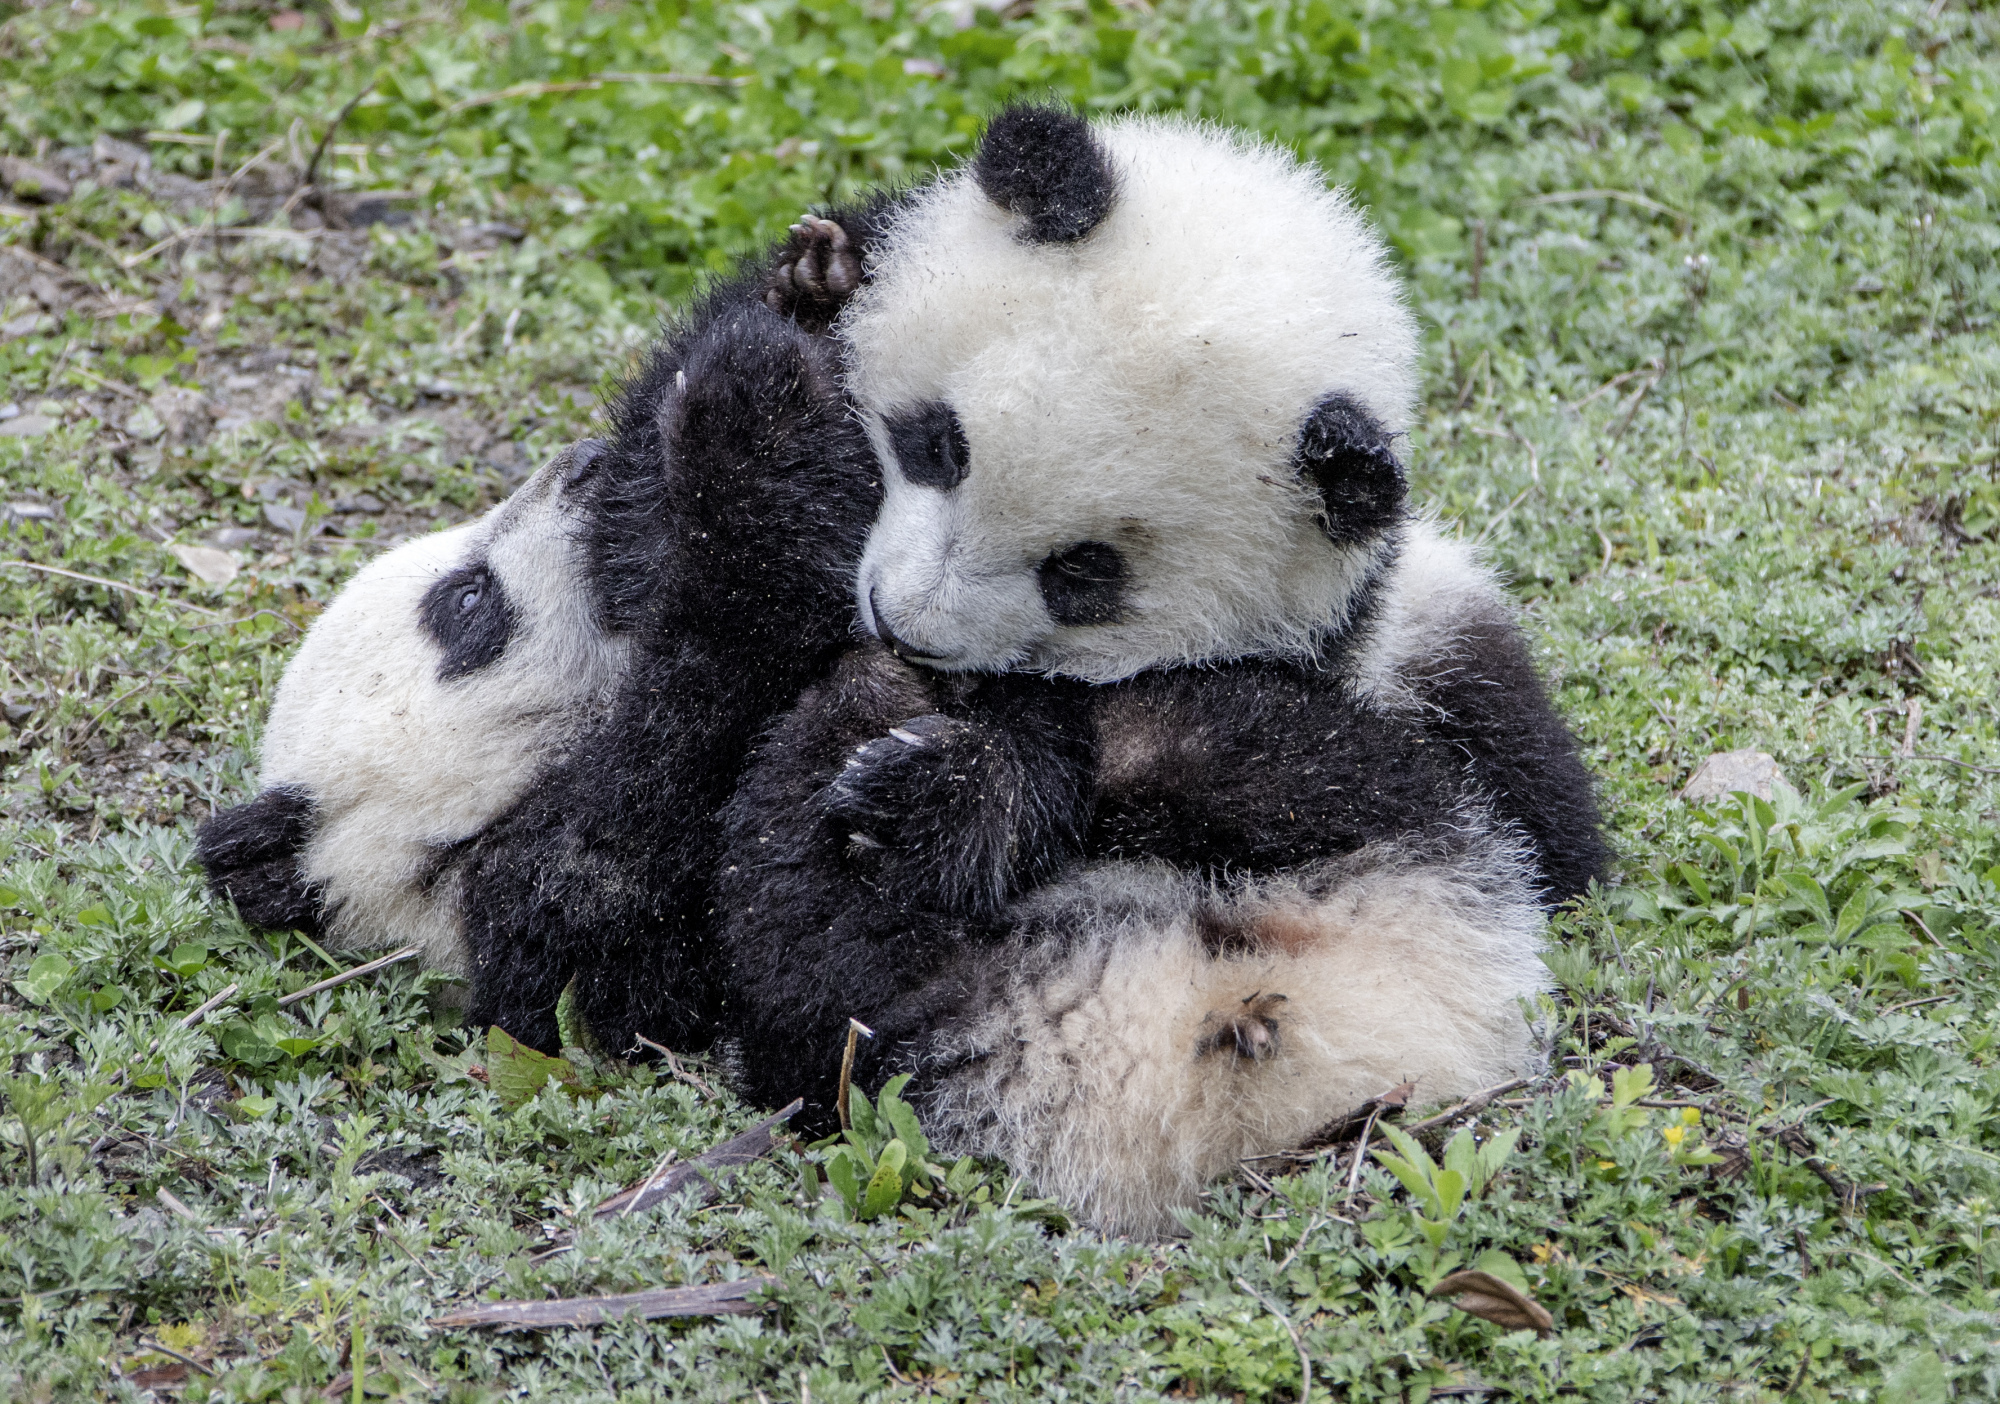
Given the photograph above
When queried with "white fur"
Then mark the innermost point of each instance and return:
(1436, 586)
(400, 763)
(1086, 1076)
(1143, 387)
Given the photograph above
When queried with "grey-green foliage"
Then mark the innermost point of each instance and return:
(1710, 371)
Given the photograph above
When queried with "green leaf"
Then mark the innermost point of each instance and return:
(902, 1119)
(188, 958)
(180, 117)
(841, 1171)
(1449, 1189)
(298, 1047)
(1414, 1180)
(569, 1021)
(517, 1072)
(885, 1186)
(868, 1131)
(1628, 1085)
(46, 974)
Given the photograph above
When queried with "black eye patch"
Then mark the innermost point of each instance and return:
(930, 445)
(1083, 584)
(469, 618)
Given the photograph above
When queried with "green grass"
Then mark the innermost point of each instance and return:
(1732, 428)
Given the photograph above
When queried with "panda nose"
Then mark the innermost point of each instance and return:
(887, 635)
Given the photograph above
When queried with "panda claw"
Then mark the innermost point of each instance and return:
(1249, 1033)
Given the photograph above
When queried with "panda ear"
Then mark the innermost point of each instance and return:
(1344, 452)
(1044, 164)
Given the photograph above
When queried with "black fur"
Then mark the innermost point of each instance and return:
(252, 852)
(1344, 452)
(724, 525)
(823, 261)
(469, 617)
(930, 444)
(1044, 164)
(1486, 701)
(1083, 584)
(1253, 767)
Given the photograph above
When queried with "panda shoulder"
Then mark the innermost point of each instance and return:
(1436, 592)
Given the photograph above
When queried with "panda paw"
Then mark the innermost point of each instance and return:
(1246, 1032)
(819, 269)
(912, 807)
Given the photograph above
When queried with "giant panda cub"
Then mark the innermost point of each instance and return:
(417, 709)
(1194, 790)
(511, 741)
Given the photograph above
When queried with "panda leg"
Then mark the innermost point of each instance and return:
(1126, 1066)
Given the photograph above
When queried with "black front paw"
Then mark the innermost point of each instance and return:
(926, 810)
(818, 270)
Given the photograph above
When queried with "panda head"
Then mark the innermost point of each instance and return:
(415, 712)
(1135, 387)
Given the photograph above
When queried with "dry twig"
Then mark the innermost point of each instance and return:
(407, 953)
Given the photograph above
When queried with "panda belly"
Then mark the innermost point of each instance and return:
(1154, 1030)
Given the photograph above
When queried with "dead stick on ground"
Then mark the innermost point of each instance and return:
(855, 1028)
(208, 1006)
(673, 1064)
(651, 1180)
(1476, 1102)
(715, 1299)
(407, 953)
(312, 166)
(1360, 1154)
(114, 585)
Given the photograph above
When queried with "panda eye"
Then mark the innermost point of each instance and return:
(930, 445)
(1083, 584)
(468, 616)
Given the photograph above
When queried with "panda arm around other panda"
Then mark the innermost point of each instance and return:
(725, 519)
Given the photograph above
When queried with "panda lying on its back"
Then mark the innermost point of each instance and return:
(511, 741)
(1273, 830)
(417, 709)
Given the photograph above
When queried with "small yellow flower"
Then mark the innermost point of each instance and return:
(1674, 1134)
(1690, 1116)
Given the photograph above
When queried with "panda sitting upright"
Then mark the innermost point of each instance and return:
(1194, 791)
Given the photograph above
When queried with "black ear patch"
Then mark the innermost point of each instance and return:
(1044, 164)
(930, 445)
(1344, 452)
(469, 617)
(251, 853)
(1083, 584)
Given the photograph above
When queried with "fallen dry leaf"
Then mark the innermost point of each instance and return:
(1487, 1297)
(206, 564)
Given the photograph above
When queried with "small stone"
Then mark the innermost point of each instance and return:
(1727, 772)
(206, 564)
(284, 518)
(360, 502)
(29, 325)
(30, 512)
(29, 181)
(26, 426)
(229, 538)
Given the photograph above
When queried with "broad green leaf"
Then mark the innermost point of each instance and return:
(1449, 1190)
(885, 1186)
(841, 1172)
(46, 974)
(902, 1119)
(517, 1072)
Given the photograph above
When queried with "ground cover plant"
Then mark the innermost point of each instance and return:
(1712, 372)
